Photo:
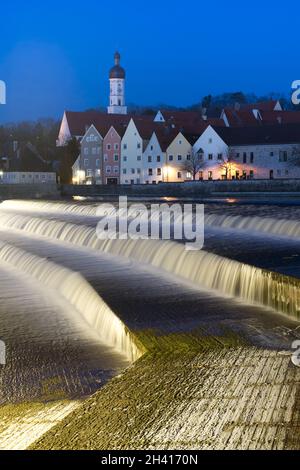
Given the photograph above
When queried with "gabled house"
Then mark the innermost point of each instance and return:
(267, 152)
(111, 157)
(178, 154)
(88, 167)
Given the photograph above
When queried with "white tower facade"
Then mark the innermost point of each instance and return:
(117, 88)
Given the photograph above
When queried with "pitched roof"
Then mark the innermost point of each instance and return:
(240, 118)
(80, 121)
(280, 117)
(261, 105)
(263, 135)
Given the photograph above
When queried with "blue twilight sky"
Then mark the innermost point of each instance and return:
(55, 55)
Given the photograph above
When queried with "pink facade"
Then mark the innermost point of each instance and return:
(111, 157)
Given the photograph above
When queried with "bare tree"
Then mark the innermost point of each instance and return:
(227, 163)
(194, 164)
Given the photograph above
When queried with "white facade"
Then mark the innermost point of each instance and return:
(64, 132)
(260, 161)
(213, 152)
(117, 96)
(154, 162)
(131, 156)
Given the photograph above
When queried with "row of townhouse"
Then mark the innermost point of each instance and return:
(148, 153)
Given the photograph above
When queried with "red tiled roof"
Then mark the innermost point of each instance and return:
(261, 105)
(80, 121)
(280, 117)
(240, 118)
(264, 135)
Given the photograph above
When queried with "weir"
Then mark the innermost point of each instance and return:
(78, 292)
(251, 284)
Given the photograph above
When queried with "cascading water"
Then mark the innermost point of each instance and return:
(281, 227)
(252, 284)
(78, 292)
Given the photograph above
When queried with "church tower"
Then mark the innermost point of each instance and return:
(117, 88)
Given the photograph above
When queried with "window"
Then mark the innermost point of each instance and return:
(244, 157)
(94, 151)
(158, 158)
(138, 171)
(149, 159)
(237, 155)
(138, 145)
(278, 172)
(188, 157)
(116, 169)
(132, 171)
(124, 146)
(179, 175)
(210, 175)
(116, 158)
(271, 154)
(251, 157)
(251, 174)
(170, 158)
(220, 156)
(116, 146)
(124, 159)
(179, 158)
(210, 156)
(108, 169)
(151, 148)
(283, 156)
(108, 147)
(158, 171)
(150, 172)
(124, 171)
(179, 142)
(139, 158)
(286, 172)
(188, 175)
(98, 163)
(85, 151)
(210, 141)
(105, 158)
(86, 162)
(89, 173)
